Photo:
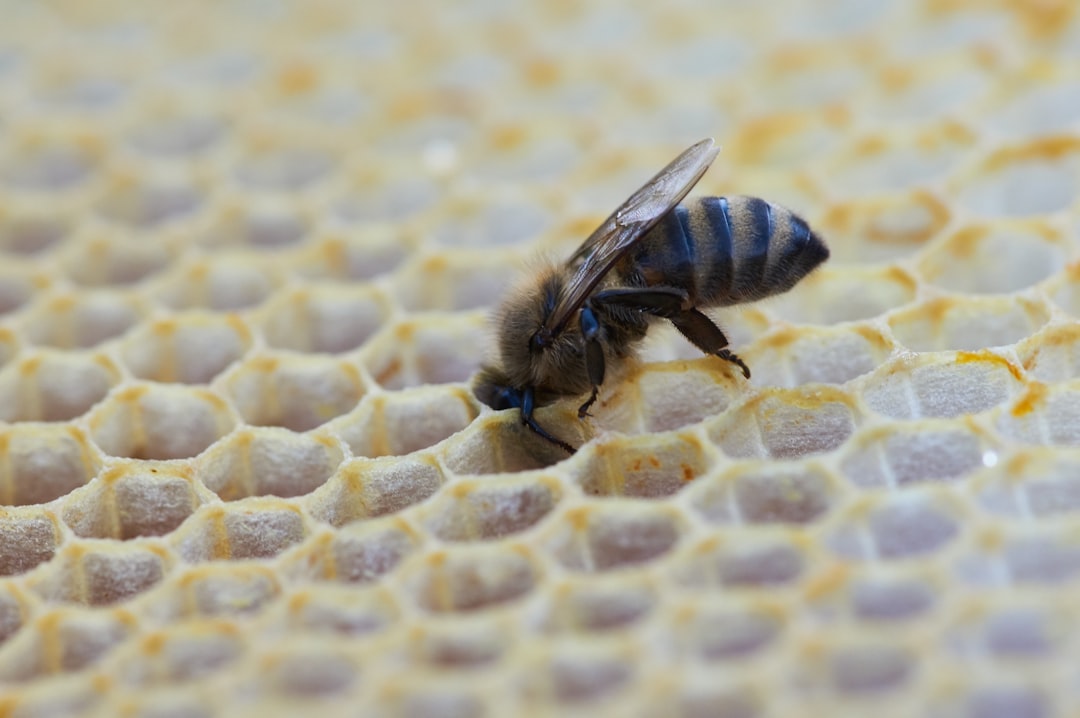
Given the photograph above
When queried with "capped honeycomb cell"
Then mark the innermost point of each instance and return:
(157, 421)
(324, 319)
(44, 462)
(297, 393)
(189, 348)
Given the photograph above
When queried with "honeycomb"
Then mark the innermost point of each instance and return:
(248, 252)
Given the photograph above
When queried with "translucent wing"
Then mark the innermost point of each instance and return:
(637, 215)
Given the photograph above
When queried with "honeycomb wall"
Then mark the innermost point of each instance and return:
(248, 252)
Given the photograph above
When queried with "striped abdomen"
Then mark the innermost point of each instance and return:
(726, 250)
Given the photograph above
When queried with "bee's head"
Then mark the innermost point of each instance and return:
(492, 387)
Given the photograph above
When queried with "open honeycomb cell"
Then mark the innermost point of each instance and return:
(250, 255)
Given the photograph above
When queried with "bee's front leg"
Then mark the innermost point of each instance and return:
(594, 355)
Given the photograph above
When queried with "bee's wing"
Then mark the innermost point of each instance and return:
(636, 216)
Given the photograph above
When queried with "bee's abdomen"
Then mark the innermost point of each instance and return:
(746, 248)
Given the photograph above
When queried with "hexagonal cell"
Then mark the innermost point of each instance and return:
(16, 608)
(249, 529)
(881, 229)
(886, 598)
(307, 669)
(746, 559)
(760, 493)
(173, 134)
(1043, 415)
(614, 535)
(467, 642)
(967, 323)
(498, 443)
(50, 164)
(727, 631)
(28, 537)
(787, 423)
(880, 164)
(438, 697)
(1065, 289)
(143, 199)
(485, 509)
(1038, 177)
(576, 673)
(1048, 558)
(605, 602)
(942, 386)
(906, 526)
(42, 463)
(451, 281)
(432, 349)
(357, 254)
(346, 611)
(150, 421)
(54, 386)
(331, 319)
(997, 258)
(371, 196)
(833, 295)
(1052, 354)
(662, 397)
(793, 356)
(1033, 483)
(473, 578)
(9, 345)
(259, 223)
(284, 168)
(401, 422)
(86, 319)
(361, 552)
(870, 669)
(227, 282)
(1006, 699)
(99, 573)
(218, 589)
(267, 460)
(365, 488)
(19, 284)
(295, 392)
(935, 450)
(133, 499)
(104, 257)
(64, 640)
(190, 348)
(28, 228)
(649, 466)
(182, 652)
(488, 220)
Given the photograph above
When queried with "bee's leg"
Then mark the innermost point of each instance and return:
(528, 420)
(594, 355)
(659, 301)
(706, 336)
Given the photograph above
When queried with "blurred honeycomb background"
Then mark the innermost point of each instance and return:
(248, 251)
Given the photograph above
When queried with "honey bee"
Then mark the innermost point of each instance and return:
(652, 259)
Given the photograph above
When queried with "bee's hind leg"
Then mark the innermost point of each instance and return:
(706, 336)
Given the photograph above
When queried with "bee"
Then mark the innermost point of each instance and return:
(652, 259)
